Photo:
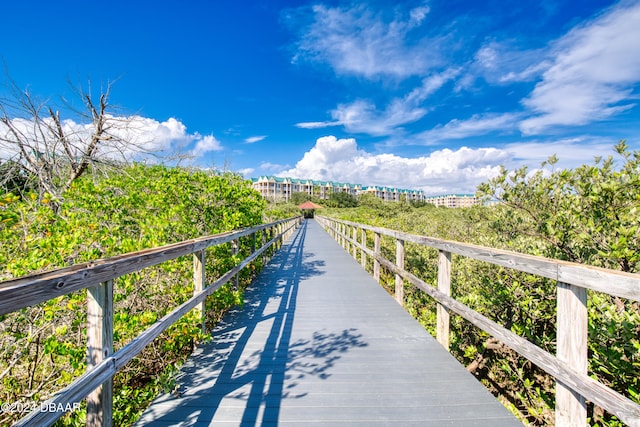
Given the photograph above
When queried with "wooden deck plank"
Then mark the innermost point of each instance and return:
(318, 342)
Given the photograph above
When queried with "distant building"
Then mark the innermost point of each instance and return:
(453, 200)
(392, 194)
(281, 188)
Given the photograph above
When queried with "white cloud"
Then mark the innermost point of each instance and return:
(134, 138)
(458, 170)
(247, 172)
(357, 41)
(272, 167)
(503, 63)
(571, 152)
(592, 74)
(205, 144)
(254, 139)
(441, 171)
(417, 15)
(589, 74)
(362, 116)
(474, 126)
(317, 125)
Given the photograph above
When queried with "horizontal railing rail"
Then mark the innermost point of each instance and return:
(569, 365)
(97, 277)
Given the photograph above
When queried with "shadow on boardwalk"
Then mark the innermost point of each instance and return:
(243, 371)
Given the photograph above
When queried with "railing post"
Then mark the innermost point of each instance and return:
(444, 286)
(264, 242)
(275, 233)
(572, 348)
(345, 233)
(235, 248)
(400, 265)
(199, 283)
(254, 237)
(363, 255)
(376, 263)
(99, 347)
(354, 240)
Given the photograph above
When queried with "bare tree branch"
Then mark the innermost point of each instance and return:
(57, 152)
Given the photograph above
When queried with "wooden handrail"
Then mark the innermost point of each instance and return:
(98, 276)
(615, 283)
(36, 288)
(569, 366)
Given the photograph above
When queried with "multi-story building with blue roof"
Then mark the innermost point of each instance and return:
(281, 188)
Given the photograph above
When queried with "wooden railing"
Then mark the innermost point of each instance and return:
(569, 365)
(97, 277)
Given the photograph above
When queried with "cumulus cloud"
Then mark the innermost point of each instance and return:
(441, 171)
(447, 170)
(133, 138)
(357, 41)
(204, 145)
(592, 73)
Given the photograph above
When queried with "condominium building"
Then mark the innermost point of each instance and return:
(281, 188)
(453, 200)
(393, 194)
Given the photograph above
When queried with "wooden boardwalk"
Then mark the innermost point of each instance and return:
(320, 343)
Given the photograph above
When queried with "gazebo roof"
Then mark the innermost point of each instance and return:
(309, 205)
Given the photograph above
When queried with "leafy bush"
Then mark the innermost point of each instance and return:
(342, 200)
(42, 348)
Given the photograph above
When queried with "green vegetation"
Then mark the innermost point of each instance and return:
(342, 200)
(298, 198)
(42, 348)
(588, 215)
(337, 200)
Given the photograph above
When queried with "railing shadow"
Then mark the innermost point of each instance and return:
(252, 357)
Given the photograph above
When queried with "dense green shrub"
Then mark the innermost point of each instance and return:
(42, 348)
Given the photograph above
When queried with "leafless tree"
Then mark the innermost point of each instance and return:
(54, 151)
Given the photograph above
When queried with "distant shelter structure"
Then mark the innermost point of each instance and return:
(309, 208)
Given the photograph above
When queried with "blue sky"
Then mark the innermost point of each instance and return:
(434, 95)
